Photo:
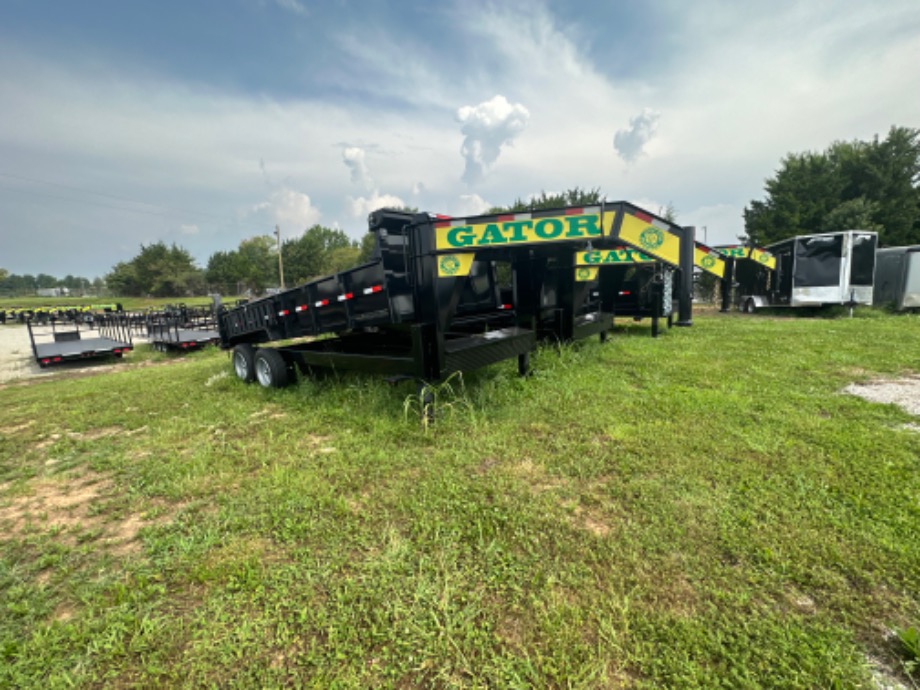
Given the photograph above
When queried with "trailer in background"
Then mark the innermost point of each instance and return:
(181, 328)
(55, 343)
(897, 278)
(833, 268)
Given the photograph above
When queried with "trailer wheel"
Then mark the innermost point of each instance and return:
(749, 306)
(243, 363)
(271, 369)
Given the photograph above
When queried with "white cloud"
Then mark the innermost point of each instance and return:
(189, 229)
(487, 128)
(354, 159)
(631, 141)
(292, 210)
(362, 207)
(470, 205)
(418, 188)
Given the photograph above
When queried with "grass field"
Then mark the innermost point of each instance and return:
(698, 511)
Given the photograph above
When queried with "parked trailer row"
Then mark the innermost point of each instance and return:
(804, 271)
(429, 304)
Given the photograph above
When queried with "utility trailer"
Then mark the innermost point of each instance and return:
(54, 343)
(428, 303)
(182, 329)
(897, 278)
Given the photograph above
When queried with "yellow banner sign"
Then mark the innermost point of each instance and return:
(653, 240)
(709, 261)
(455, 265)
(764, 258)
(585, 275)
(513, 230)
(606, 257)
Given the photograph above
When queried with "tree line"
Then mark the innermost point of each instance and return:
(16, 284)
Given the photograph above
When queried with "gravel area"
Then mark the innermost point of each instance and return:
(903, 392)
(16, 360)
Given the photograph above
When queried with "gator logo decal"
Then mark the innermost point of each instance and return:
(450, 264)
(455, 265)
(583, 274)
(708, 261)
(651, 238)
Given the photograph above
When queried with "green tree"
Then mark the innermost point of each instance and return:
(258, 260)
(368, 244)
(572, 197)
(159, 270)
(863, 185)
(313, 254)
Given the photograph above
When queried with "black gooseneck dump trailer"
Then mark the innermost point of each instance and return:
(428, 304)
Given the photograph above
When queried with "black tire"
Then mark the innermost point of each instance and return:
(271, 370)
(243, 359)
(749, 306)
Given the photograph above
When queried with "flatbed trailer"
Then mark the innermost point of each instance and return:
(428, 303)
(181, 328)
(77, 341)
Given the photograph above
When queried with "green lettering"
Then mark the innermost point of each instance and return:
(517, 229)
(549, 228)
(460, 236)
(592, 257)
(579, 226)
(492, 235)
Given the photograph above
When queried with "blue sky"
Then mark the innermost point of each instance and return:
(207, 122)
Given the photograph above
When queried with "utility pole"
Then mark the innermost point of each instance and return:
(280, 264)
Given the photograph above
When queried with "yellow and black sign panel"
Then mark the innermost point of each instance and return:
(514, 230)
(608, 257)
(710, 261)
(764, 258)
(650, 236)
(455, 265)
(584, 274)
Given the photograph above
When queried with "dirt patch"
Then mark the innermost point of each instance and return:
(65, 508)
(903, 392)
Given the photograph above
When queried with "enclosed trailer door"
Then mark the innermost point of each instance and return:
(818, 278)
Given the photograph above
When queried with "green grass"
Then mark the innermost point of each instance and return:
(703, 510)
